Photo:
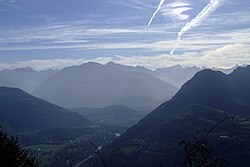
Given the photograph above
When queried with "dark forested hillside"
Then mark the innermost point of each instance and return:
(203, 101)
(23, 112)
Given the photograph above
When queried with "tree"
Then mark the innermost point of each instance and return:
(12, 155)
(199, 153)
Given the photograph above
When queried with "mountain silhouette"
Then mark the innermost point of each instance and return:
(25, 113)
(204, 100)
(26, 79)
(176, 75)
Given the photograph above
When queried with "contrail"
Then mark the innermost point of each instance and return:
(206, 12)
(155, 13)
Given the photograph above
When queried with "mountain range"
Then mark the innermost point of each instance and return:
(26, 79)
(176, 75)
(96, 85)
(207, 98)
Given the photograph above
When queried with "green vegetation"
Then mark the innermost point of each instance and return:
(44, 152)
(245, 123)
(129, 150)
(12, 155)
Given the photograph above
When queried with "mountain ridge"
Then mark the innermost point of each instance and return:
(204, 100)
(26, 79)
(99, 85)
(24, 112)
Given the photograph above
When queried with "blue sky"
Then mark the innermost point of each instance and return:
(46, 34)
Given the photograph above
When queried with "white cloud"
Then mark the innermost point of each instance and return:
(223, 57)
(155, 13)
(207, 45)
(228, 55)
(65, 32)
(200, 42)
(206, 12)
(136, 4)
(75, 35)
(176, 11)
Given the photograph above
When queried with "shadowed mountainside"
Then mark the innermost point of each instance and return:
(25, 113)
(204, 100)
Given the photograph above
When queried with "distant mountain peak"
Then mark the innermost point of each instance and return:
(25, 69)
(240, 69)
(209, 72)
(91, 63)
(175, 67)
(92, 84)
(111, 63)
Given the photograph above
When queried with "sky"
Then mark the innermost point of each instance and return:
(45, 34)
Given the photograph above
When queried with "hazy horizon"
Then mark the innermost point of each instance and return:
(105, 63)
